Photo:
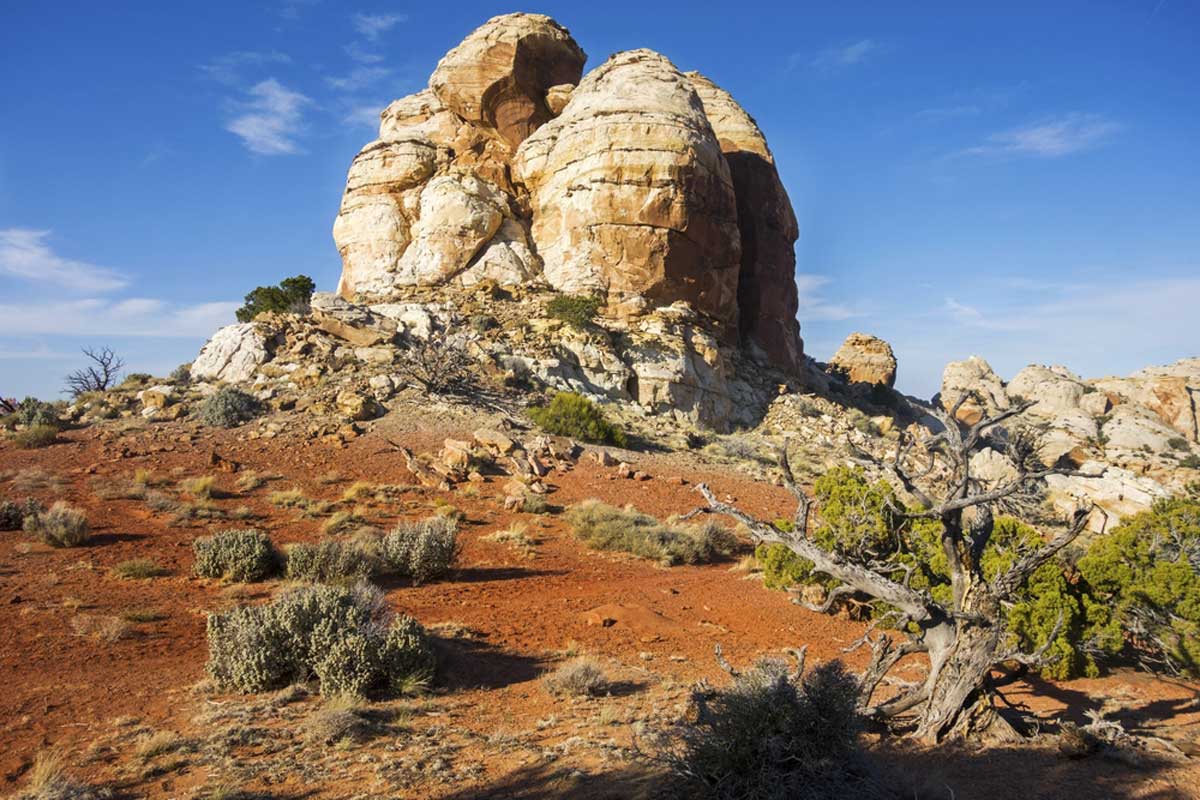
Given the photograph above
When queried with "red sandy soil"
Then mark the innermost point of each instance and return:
(657, 626)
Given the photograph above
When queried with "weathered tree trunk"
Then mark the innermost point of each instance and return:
(959, 665)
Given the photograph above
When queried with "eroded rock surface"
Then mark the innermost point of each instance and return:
(630, 193)
(863, 358)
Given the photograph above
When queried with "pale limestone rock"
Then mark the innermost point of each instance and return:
(631, 195)
(373, 226)
(413, 317)
(232, 355)
(356, 405)
(972, 375)
(863, 358)
(1054, 390)
(767, 296)
(1117, 493)
(498, 77)
(420, 116)
(508, 259)
(992, 467)
(1172, 392)
(457, 215)
(1134, 428)
(558, 96)
(355, 324)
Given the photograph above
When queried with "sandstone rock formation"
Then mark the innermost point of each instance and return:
(1131, 437)
(631, 195)
(499, 76)
(976, 378)
(640, 184)
(767, 298)
(863, 358)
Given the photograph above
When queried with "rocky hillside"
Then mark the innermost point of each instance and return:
(624, 234)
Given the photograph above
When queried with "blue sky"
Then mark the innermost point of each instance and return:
(1018, 181)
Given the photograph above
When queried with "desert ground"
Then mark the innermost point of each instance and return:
(109, 672)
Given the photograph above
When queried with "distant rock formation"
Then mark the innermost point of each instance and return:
(639, 184)
(863, 358)
(1134, 438)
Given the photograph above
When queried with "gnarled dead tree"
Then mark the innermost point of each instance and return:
(99, 376)
(965, 639)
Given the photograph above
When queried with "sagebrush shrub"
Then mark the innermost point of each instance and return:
(774, 736)
(330, 561)
(235, 555)
(345, 637)
(421, 550)
(61, 526)
(604, 527)
(36, 436)
(31, 412)
(229, 407)
(13, 515)
(570, 414)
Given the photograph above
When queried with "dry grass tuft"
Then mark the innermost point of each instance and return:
(101, 627)
(581, 677)
(202, 488)
(139, 569)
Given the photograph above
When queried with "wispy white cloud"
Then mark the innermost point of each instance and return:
(271, 119)
(364, 115)
(1049, 138)
(846, 55)
(358, 79)
(813, 304)
(361, 54)
(134, 316)
(227, 69)
(291, 9)
(373, 26)
(25, 254)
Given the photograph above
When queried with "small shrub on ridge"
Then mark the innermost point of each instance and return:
(421, 550)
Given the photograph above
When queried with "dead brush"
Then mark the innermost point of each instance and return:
(61, 526)
(139, 569)
(118, 489)
(101, 627)
(36, 479)
(201, 488)
(580, 677)
(517, 537)
(341, 720)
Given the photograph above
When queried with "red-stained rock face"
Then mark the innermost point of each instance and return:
(767, 300)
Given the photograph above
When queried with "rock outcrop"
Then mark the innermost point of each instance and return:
(863, 358)
(631, 195)
(1131, 438)
(639, 184)
(233, 354)
(767, 297)
(499, 77)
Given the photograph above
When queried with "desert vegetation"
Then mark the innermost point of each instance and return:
(605, 527)
(569, 414)
(344, 637)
